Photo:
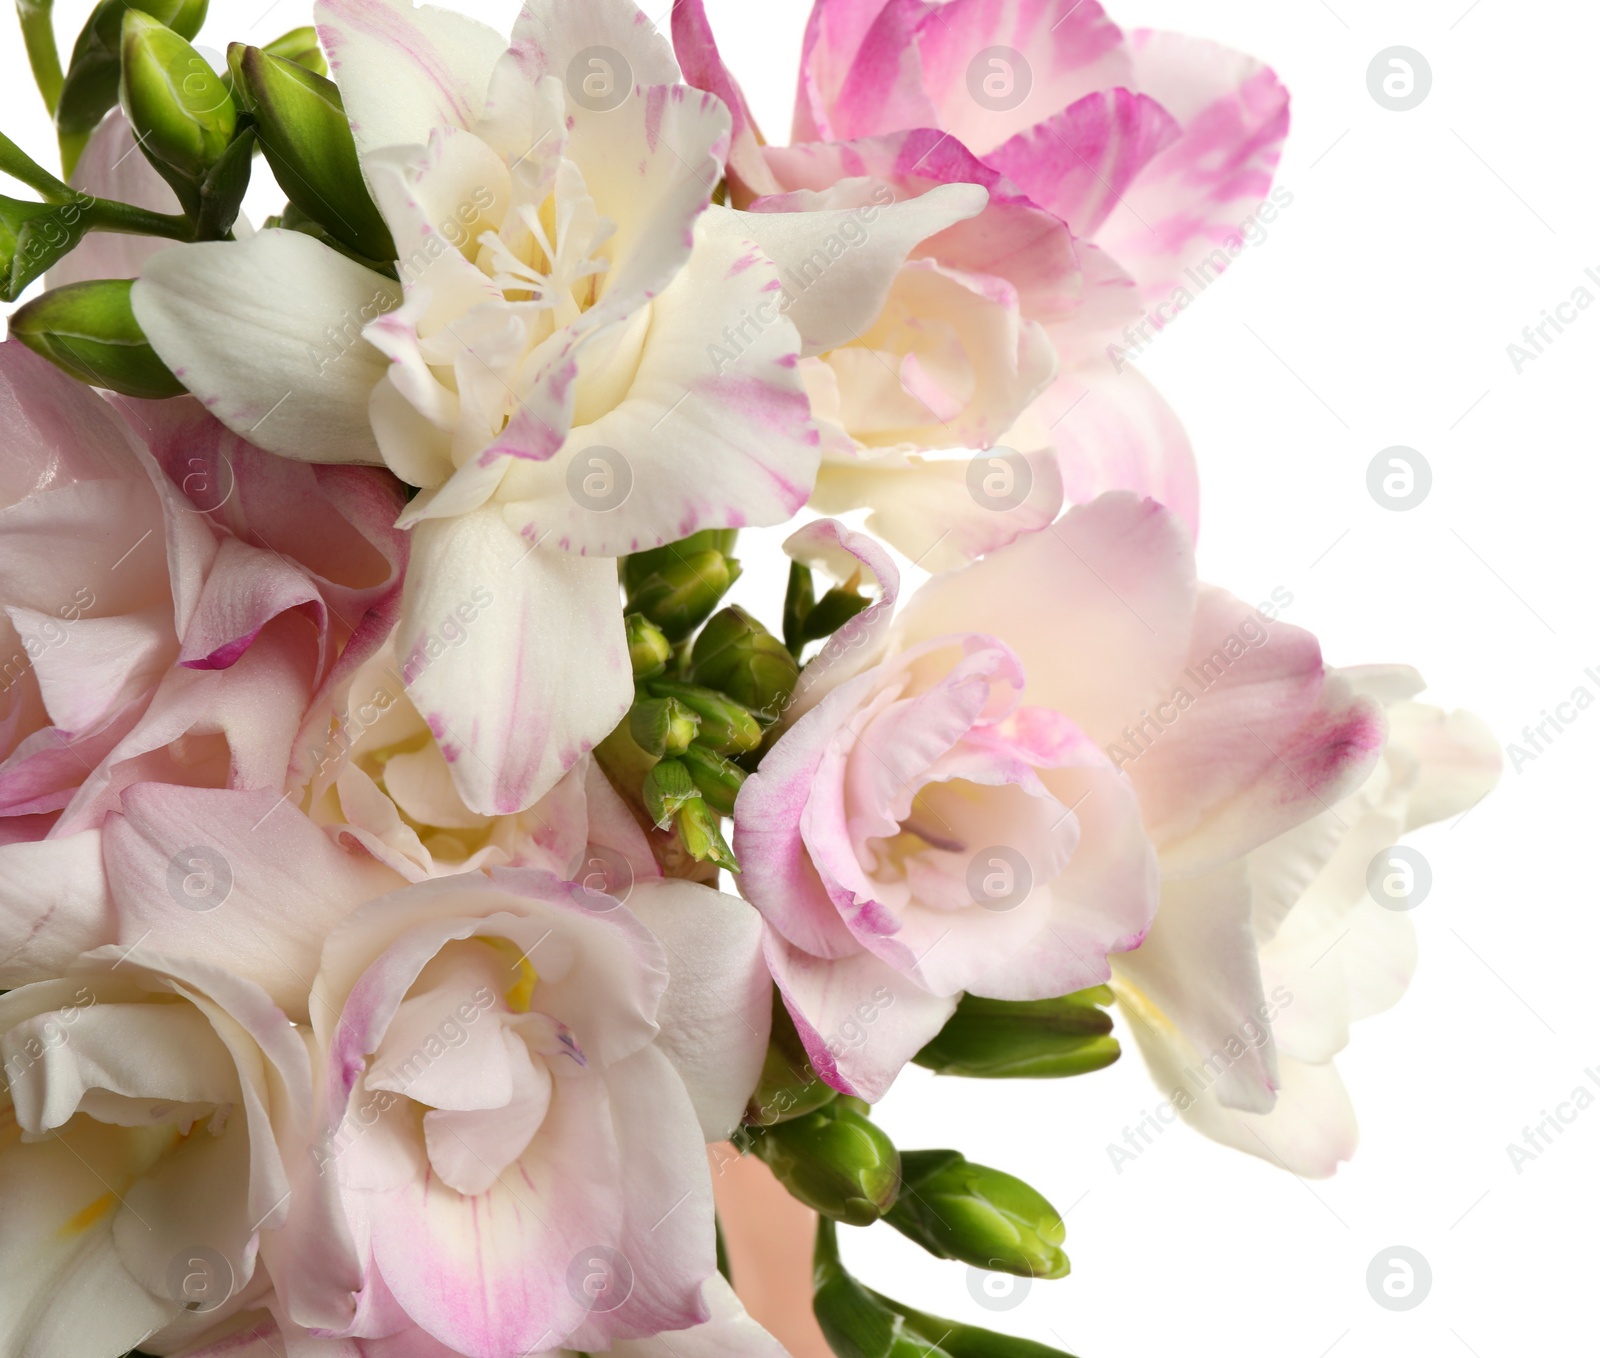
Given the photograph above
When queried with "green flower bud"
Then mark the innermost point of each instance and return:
(718, 779)
(959, 1210)
(181, 112)
(668, 788)
(860, 1323)
(1025, 1039)
(299, 45)
(648, 647)
(700, 830)
(639, 567)
(737, 655)
(662, 726)
(306, 138)
(94, 74)
(33, 236)
(725, 726)
(836, 1160)
(807, 618)
(89, 331)
(789, 1087)
(681, 593)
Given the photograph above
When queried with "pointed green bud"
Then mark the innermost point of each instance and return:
(89, 331)
(306, 138)
(807, 618)
(299, 45)
(737, 655)
(700, 830)
(33, 236)
(718, 779)
(180, 111)
(682, 592)
(662, 726)
(836, 1160)
(789, 1087)
(648, 647)
(639, 567)
(725, 726)
(668, 788)
(1025, 1039)
(860, 1323)
(94, 74)
(986, 1218)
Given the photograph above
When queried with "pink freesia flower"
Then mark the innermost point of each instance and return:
(175, 601)
(952, 810)
(1154, 149)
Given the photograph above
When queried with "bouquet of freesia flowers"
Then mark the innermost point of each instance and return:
(379, 741)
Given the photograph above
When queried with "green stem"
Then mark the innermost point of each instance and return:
(825, 1259)
(104, 214)
(39, 36)
(17, 163)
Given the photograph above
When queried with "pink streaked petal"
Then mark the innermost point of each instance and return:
(54, 904)
(833, 40)
(884, 88)
(696, 48)
(1079, 162)
(1195, 199)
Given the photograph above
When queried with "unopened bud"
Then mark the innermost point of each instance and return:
(789, 1087)
(700, 830)
(181, 113)
(807, 618)
(94, 74)
(984, 1217)
(836, 1160)
(682, 592)
(89, 331)
(33, 236)
(1025, 1039)
(725, 726)
(299, 45)
(668, 788)
(737, 655)
(306, 138)
(718, 779)
(662, 726)
(648, 648)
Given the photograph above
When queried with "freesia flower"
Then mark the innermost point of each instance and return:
(175, 599)
(149, 1100)
(956, 815)
(518, 1075)
(1335, 943)
(1154, 149)
(545, 368)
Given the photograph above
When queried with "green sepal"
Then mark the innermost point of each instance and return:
(700, 832)
(88, 330)
(726, 727)
(299, 45)
(789, 1086)
(668, 788)
(33, 237)
(718, 779)
(662, 726)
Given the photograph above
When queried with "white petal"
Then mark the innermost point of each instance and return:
(267, 333)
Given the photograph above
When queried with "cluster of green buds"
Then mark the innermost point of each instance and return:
(703, 704)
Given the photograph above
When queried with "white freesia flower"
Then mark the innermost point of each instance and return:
(553, 369)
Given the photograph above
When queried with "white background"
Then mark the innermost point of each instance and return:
(1378, 312)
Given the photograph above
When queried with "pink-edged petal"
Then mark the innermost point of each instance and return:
(245, 590)
(1190, 203)
(1266, 738)
(1193, 990)
(1069, 49)
(112, 167)
(54, 904)
(860, 73)
(861, 1020)
(717, 1012)
(1079, 162)
(838, 252)
(844, 555)
(547, 626)
(1112, 430)
(696, 49)
(404, 70)
(207, 872)
(701, 440)
(1116, 580)
(245, 326)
